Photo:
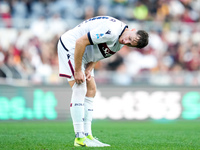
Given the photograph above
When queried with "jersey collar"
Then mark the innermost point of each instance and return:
(123, 30)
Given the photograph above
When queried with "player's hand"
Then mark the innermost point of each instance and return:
(88, 75)
(79, 77)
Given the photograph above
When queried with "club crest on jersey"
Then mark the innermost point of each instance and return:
(99, 35)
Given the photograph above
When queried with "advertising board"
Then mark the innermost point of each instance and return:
(111, 102)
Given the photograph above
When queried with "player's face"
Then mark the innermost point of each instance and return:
(130, 39)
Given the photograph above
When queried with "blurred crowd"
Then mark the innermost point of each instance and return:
(30, 29)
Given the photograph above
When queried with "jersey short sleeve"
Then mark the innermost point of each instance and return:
(100, 34)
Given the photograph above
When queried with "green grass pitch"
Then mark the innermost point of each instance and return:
(121, 135)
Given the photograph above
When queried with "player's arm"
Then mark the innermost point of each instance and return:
(80, 46)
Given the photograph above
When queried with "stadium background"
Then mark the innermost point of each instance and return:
(160, 82)
(147, 99)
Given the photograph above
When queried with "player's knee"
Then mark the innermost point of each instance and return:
(91, 92)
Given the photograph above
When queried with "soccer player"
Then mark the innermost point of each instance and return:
(78, 51)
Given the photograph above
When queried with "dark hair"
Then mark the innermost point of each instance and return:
(144, 39)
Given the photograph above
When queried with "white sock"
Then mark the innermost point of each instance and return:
(77, 109)
(88, 115)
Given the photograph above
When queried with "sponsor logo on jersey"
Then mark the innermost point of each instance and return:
(105, 51)
(99, 35)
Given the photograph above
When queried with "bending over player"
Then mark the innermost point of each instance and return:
(78, 51)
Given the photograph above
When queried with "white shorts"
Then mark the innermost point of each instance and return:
(66, 62)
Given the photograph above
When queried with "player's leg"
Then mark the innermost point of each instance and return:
(66, 69)
(77, 114)
(89, 99)
(66, 65)
(77, 107)
(78, 95)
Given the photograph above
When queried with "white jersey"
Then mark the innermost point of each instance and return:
(103, 33)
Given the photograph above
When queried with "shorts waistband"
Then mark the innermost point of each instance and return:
(63, 45)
